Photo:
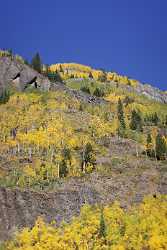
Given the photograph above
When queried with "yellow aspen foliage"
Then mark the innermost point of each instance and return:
(29, 171)
(113, 97)
(141, 227)
(83, 71)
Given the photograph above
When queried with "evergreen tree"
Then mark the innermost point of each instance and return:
(98, 92)
(54, 77)
(102, 229)
(102, 77)
(120, 113)
(128, 100)
(155, 119)
(10, 52)
(4, 97)
(166, 120)
(136, 121)
(88, 156)
(63, 171)
(149, 139)
(57, 78)
(36, 63)
(61, 69)
(26, 62)
(90, 75)
(149, 149)
(67, 154)
(85, 89)
(160, 147)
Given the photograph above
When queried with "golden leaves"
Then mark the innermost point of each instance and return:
(139, 228)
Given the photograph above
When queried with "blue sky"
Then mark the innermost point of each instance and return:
(126, 36)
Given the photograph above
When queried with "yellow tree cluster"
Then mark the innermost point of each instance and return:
(83, 71)
(141, 227)
(41, 125)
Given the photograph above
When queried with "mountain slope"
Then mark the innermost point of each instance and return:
(73, 70)
(60, 145)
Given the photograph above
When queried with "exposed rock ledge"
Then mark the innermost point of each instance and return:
(10, 68)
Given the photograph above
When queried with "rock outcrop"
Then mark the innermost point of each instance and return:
(78, 94)
(152, 92)
(19, 208)
(17, 74)
(146, 90)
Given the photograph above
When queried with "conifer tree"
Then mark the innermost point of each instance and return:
(160, 147)
(166, 120)
(4, 97)
(67, 154)
(149, 139)
(85, 89)
(149, 145)
(102, 77)
(61, 69)
(102, 229)
(57, 77)
(36, 63)
(26, 62)
(88, 156)
(63, 171)
(136, 121)
(120, 113)
(90, 75)
(98, 92)
(155, 118)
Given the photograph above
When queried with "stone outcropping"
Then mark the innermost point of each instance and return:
(148, 91)
(21, 208)
(151, 92)
(78, 94)
(17, 74)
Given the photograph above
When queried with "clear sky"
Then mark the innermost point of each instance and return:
(126, 36)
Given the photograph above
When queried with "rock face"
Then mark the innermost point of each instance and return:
(21, 208)
(80, 95)
(149, 91)
(17, 74)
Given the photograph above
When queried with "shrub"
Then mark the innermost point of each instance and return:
(85, 89)
(98, 92)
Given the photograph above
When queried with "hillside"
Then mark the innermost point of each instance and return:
(91, 137)
(73, 70)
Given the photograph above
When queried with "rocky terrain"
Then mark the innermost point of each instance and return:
(10, 68)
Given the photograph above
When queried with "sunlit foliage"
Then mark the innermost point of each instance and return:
(141, 227)
(39, 127)
(68, 70)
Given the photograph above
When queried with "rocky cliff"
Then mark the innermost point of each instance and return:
(15, 73)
